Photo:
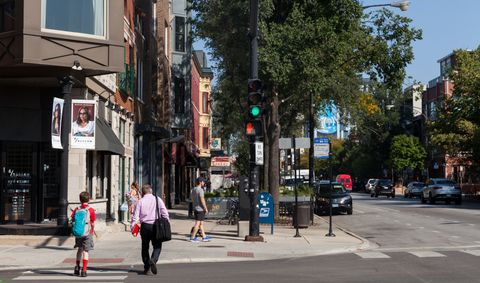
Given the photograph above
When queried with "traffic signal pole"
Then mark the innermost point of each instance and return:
(253, 34)
(253, 180)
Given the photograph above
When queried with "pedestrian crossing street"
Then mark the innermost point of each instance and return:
(419, 254)
(64, 275)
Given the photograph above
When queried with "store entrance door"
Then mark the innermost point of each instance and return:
(18, 182)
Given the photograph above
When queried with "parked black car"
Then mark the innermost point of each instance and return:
(341, 198)
(383, 187)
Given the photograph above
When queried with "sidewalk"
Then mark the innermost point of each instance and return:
(121, 248)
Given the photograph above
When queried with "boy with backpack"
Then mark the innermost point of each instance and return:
(83, 218)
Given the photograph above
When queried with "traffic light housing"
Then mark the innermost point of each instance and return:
(255, 98)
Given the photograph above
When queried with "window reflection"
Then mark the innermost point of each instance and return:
(81, 16)
(7, 15)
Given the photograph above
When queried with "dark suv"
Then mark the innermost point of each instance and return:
(383, 187)
(341, 198)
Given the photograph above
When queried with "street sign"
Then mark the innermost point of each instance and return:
(258, 153)
(220, 161)
(286, 143)
(216, 144)
(321, 147)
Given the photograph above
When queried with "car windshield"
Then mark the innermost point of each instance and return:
(445, 182)
(337, 189)
(384, 182)
(418, 184)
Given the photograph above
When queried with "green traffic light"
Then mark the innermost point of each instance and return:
(254, 111)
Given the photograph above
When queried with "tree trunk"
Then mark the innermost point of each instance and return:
(273, 133)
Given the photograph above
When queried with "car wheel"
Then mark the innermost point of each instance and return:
(393, 195)
(431, 199)
(350, 211)
(372, 195)
(376, 195)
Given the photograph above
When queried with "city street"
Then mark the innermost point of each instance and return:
(412, 242)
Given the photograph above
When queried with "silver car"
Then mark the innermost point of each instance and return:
(441, 189)
(414, 189)
(370, 185)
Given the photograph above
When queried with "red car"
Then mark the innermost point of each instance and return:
(346, 181)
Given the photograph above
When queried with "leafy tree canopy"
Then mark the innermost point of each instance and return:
(457, 129)
(407, 152)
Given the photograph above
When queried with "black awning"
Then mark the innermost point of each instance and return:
(160, 132)
(105, 138)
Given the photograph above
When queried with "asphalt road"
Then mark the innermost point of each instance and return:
(404, 224)
(416, 243)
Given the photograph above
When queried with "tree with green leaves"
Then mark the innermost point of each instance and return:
(306, 47)
(457, 129)
(406, 152)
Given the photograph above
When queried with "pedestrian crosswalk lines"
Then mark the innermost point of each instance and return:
(372, 255)
(419, 254)
(63, 275)
(426, 254)
(472, 252)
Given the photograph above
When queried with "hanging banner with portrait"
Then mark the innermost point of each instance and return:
(83, 124)
(57, 112)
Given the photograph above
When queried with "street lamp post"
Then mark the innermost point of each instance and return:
(66, 84)
(402, 5)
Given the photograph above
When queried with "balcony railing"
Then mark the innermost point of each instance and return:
(126, 80)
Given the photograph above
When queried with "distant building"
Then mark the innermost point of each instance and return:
(202, 76)
(438, 89)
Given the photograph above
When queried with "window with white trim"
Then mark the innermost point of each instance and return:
(86, 17)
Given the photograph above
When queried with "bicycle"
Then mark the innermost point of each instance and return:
(231, 215)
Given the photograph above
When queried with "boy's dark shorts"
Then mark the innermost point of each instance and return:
(86, 243)
(199, 215)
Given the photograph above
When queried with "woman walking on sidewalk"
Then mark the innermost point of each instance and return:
(133, 196)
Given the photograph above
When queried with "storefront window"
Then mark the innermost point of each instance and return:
(77, 16)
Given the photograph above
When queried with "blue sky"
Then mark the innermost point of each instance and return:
(447, 25)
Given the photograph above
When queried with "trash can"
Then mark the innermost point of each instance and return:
(303, 215)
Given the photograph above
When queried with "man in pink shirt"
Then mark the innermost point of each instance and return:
(145, 214)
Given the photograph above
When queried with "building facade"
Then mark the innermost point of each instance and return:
(439, 164)
(51, 49)
(181, 112)
(202, 77)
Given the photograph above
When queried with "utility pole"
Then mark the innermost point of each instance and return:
(310, 151)
(256, 125)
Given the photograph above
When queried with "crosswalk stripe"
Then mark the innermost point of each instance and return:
(68, 272)
(472, 252)
(426, 254)
(68, 278)
(372, 255)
